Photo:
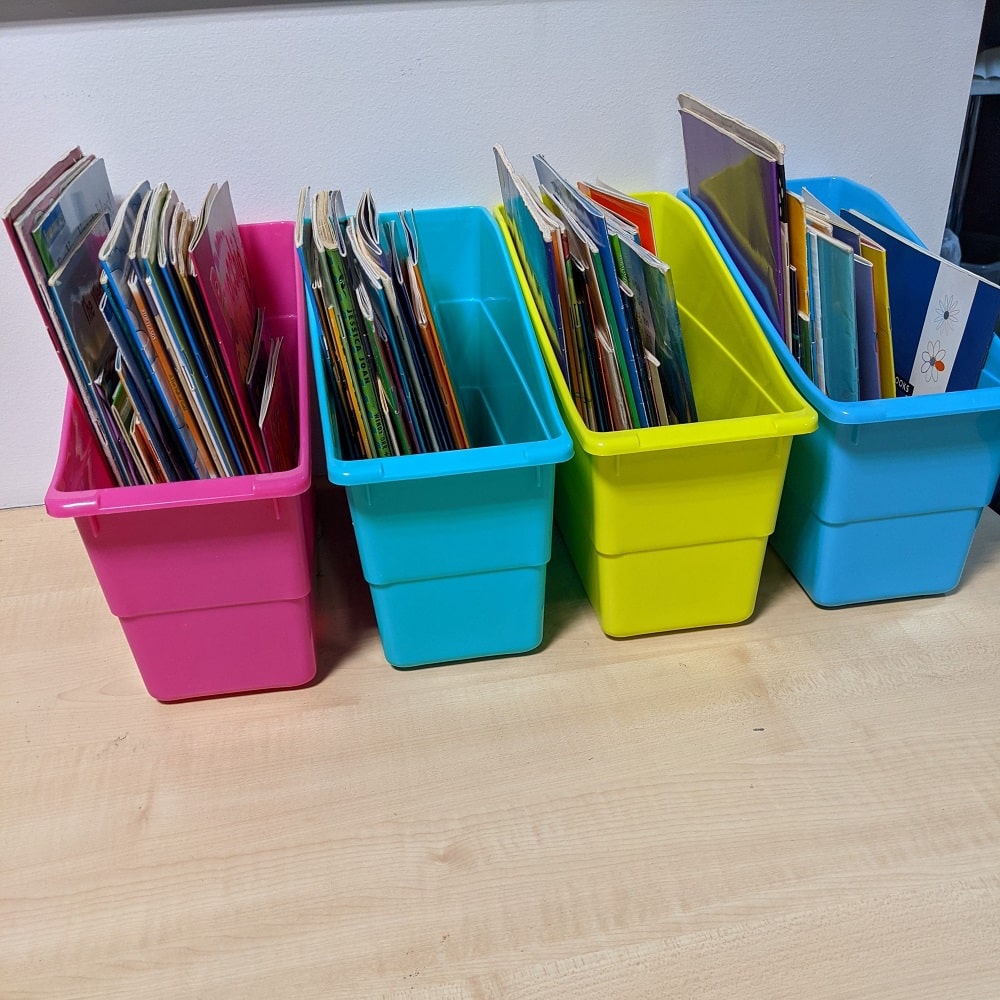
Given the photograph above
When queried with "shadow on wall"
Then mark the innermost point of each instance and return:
(24, 11)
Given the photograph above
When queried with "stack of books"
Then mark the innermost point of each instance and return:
(152, 313)
(392, 390)
(606, 301)
(867, 313)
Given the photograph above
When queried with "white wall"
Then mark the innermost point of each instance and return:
(408, 98)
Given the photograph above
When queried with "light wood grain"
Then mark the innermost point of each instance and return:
(806, 805)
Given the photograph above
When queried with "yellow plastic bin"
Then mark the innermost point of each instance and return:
(667, 526)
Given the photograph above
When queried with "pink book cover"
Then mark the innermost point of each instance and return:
(27, 199)
(219, 266)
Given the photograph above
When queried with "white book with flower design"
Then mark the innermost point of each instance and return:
(943, 316)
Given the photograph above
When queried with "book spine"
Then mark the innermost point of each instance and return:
(180, 412)
(355, 342)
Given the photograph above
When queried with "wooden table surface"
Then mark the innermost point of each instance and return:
(806, 805)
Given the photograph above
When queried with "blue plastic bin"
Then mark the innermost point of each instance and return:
(883, 500)
(454, 545)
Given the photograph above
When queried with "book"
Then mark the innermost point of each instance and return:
(20, 218)
(593, 223)
(150, 339)
(736, 175)
(651, 284)
(869, 384)
(943, 317)
(625, 207)
(423, 316)
(536, 235)
(87, 194)
(155, 235)
(274, 418)
(76, 291)
(151, 397)
(834, 279)
(345, 335)
(47, 198)
(821, 215)
(219, 267)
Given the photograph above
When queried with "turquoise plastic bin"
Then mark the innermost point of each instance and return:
(884, 499)
(454, 545)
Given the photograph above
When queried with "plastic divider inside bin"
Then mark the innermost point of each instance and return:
(211, 579)
(667, 526)
(454, 545)
(883, 501)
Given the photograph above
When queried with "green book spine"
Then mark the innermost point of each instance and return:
(355, 347)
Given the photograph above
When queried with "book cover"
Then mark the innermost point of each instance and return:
(590, 218)
(835, 267)
(219, 267)
(741, 190)
(75, 287)
(87, 194)
(20, 218)
(630, 209)
(533, 230)
(943, 316)
(869, 386)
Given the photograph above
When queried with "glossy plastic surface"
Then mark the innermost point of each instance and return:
(455, 544)
(211, 579)
(667, 526)
(883, 501)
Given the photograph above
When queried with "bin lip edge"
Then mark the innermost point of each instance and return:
(456, 462)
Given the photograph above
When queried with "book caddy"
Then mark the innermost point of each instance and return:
(454, 543)
(886, 469)
(667, 525)
(210, 575)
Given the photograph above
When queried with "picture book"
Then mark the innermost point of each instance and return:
(536, 235)
(869, 386)
(20, 218)
(943, 317)
(76, 291)
(835, 281)
(624, 207)
(86, 195)
(218, 266)
(589, 217)
(736, 175)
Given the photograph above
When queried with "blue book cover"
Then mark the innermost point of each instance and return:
(533, 231)
(115, 264)
(943, 316)
(839, 319)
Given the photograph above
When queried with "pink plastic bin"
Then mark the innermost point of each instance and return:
(210, 579)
